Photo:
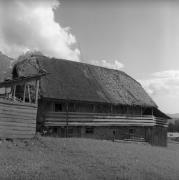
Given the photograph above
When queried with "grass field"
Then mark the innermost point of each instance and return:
(81, 159)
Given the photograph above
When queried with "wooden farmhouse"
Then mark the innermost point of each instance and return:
(82, 100)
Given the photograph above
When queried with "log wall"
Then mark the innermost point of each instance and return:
(17, 120)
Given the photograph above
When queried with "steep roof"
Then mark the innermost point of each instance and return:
(70, 80)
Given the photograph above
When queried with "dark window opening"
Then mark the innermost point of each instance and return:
(131, 131)
(89, 130)
(70, 130)
(55, 130)
(58, 107)
(71, 107)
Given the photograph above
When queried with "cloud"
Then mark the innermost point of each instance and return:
(31, 25)
(165, 83)
(111, 65)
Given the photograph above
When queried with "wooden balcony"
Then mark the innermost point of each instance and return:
(100, 119)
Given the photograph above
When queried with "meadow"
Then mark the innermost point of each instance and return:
(86, 159)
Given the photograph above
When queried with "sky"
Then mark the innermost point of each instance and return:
(138, 37)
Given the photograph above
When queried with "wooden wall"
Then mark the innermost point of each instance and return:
(159, 136)
(121, 132)
(95, 119)
(104, 119)
(75, 106)
(17, 120)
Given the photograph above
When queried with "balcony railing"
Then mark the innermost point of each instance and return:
(101, 119)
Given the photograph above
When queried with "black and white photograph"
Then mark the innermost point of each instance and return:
(89, 90)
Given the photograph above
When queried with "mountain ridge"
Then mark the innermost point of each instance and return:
(174, 116)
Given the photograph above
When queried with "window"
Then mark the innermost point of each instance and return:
(70, 131)
(131, 131)
(89, 130)
(58, 107)
(71, 107)
(55, 130)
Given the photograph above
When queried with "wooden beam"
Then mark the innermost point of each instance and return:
(111, 109)
(29, 93)
(37, 92)
(21, 80)
(5, 91)
(24, 92)
(67, 119)
(14, 92)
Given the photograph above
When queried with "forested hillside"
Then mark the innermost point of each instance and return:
(173, 125)
(5, 66)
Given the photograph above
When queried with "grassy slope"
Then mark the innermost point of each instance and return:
(55, 158)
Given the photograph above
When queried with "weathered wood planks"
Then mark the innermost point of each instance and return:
(17, 119)
(97, 119)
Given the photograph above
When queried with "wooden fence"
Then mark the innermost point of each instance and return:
(17, 119)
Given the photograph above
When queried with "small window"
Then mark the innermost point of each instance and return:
(131, 131)
(55, 130)
(58, 107)
(70, 130)
(89, 130)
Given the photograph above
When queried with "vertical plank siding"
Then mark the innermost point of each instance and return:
(17, 119)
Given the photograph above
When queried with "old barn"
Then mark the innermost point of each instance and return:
(82, 100)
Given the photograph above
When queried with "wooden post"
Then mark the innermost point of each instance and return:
(14, 92)
(141, 111)
(29, 93)
(24, 92)
(67, 119)
(37, 91)
(127, 110)
(74, 107)
(94, 108)
(152, 111)
(5, 92)
(111, 109)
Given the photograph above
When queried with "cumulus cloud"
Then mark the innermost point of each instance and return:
(104, 63)
(163, 83)
(30, 25)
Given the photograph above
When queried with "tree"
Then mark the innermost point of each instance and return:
(171, 127)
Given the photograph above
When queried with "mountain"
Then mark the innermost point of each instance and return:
(5, 66)
(174, 116)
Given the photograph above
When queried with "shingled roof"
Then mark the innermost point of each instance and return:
(70, 80)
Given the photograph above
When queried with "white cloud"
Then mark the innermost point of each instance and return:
(163, 87)
(163, 83)
(31, 25)
(112, 64)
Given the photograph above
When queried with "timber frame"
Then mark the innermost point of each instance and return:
(24, 83)
(18, 111)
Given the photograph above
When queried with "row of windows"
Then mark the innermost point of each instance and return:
(58, 107)
(90, 130)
